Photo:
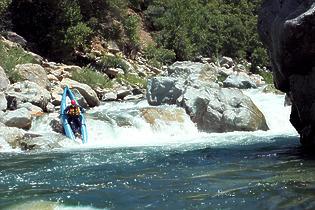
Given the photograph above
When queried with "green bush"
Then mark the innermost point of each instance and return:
(12, 56)
(131, 25)
(159, 56)
(77, 36)
(133, 80)
(113, 62)
(92, 78)
(268, 76)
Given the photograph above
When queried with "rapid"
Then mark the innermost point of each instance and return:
(129, 163)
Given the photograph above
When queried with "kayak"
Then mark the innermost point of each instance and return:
(64, 118)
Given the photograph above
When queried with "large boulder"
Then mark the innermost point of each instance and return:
(222, 110)
(34, 73)
(4, 81)
(86, 91)
(27, 91)
(20, 118)
(286, 28)
(163, 90)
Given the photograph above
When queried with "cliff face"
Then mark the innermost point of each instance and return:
(287, 28)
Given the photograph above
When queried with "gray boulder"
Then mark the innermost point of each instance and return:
(222, 110)
(110, 96)
(35, 110)
(34, 73)
(27, 91)
(86, 91)
(239, 81)
(3, 102)
(163, 90)
(227, 61)
(80, 99)
(4, 81)
(20, 118)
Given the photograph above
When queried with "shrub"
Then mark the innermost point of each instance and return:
(77, 36)
(92, 78)
(159, 56)
(131, 25)
(113, 62)
(268, 76)
(133, 80)
(12, 56)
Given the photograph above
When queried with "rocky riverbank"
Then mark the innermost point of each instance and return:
(210, 93)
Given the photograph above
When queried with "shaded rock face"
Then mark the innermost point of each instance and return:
(287, 29)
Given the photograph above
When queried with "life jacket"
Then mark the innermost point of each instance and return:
(74, 111)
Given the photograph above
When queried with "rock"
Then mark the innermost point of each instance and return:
(26, 91)
(80, 99)
(286, 28)
(163, 90)
(11, 135)
(113, 47)
(222, 110)
(14, 37)
(3, 102)
(110, 96)
(134, 97)
(4, 81)
(46, 142)
(50, 108)
(153, 115)
(39, 59)
(56, 95)
(56, 125)
(270, 88)
(121, 94)
(33, 73)
(227, 61)
(287, 100)
(86, 91)
(20, 118)
(193, 71)
(35, 110)
(239, 81)
(114, 72)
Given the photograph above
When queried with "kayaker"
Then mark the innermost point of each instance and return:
(73, 112)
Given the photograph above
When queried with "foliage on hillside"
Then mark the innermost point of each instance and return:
(190, 28)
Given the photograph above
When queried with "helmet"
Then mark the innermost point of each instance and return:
(73, 102)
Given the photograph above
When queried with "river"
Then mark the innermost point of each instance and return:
(165, 167)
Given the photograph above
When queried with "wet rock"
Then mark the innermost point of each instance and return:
(26, 91)
(11, 135)
(56, 126)
(33, 73)
(222, 110)
(20, 118)
(50, 108)
(86, 91)
(122, 93)
(155, 114)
